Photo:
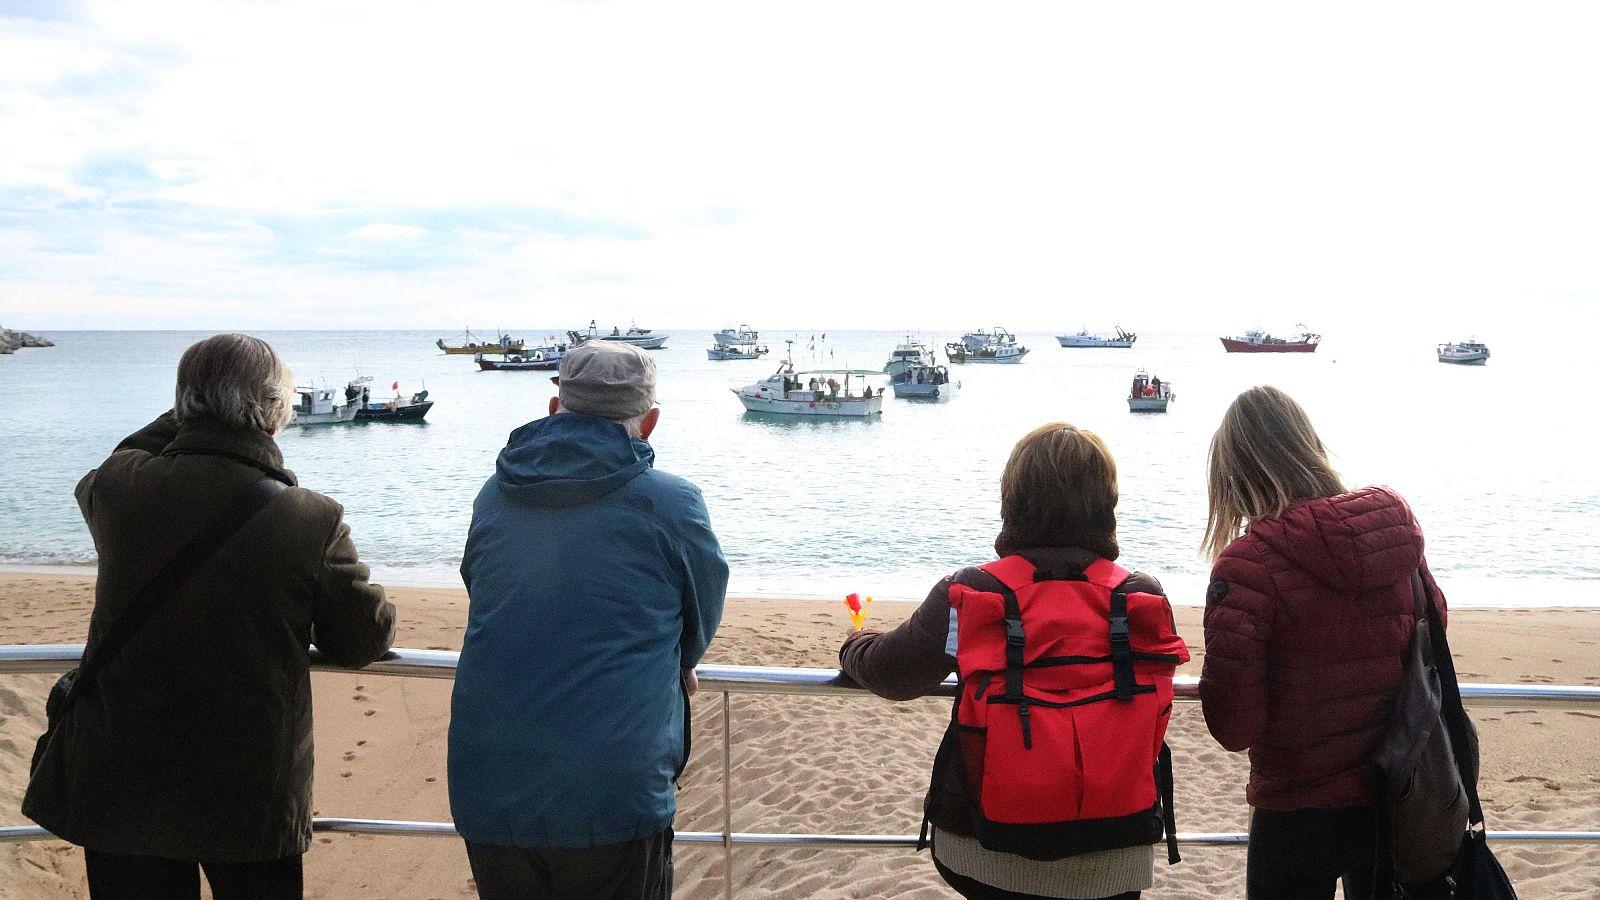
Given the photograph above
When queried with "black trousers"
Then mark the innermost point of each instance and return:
(636, 870)
(1303, 855)
(977, 890)
(119, 876)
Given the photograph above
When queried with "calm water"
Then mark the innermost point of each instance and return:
(881, 507)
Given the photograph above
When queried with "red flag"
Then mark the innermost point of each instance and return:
(395, 386)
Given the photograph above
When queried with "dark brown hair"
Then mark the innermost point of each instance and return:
(1059, 489)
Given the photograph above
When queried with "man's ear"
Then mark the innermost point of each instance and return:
(555, 404)
(648, 424)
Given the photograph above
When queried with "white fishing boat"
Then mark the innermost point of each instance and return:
(1466, 353)
(1084, 339)
(925, 382)
(540, 359)
(1149, 394)
(322, 406)
(906, 355)
(814, 392)
(643, 338)
(998, 346)
(729, 337)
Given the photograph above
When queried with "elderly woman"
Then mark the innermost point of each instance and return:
(1052, 780)
(186, 741)
(1308, 616)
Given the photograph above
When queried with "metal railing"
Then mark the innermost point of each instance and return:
(729, 680)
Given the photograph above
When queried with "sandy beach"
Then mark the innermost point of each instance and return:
(812, 764)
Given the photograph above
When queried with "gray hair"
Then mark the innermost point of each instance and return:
(633, 424)
(236, 379)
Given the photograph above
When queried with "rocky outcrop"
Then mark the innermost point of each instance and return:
(11, 341)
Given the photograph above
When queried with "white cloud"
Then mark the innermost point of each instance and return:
(385, 231)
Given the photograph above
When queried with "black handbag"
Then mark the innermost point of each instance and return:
(71, 686)
(1476, 874)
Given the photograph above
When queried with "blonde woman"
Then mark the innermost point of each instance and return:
(1307, 618)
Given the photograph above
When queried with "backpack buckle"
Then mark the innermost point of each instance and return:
(1119, 631)
(1014, 632)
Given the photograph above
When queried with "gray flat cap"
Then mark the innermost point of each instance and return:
(609, 379)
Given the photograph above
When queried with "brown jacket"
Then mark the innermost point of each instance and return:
(195, 741)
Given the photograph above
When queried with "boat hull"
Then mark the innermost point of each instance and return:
(990, 360)
(411, 412)
(654, 342)
(854, 408)
(1148, 404)
(926, 391)
(530, 365)
(513, 347)
(1233, 345)
(718, 353)
(1073, 340)
(339, 416)
(1475, 359)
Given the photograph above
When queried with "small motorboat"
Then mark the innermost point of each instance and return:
(914, 373)
(998, 346)
(397, 409)
(1149, 394)
(1084, 339)
(321, 406)
(1466, 353)
(643, 338)
(539, 359)
(817, 392)
(907, 354)
(729, 337)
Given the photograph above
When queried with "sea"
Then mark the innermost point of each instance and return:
(1505, 488)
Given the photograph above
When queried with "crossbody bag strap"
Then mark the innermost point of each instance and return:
(200, 548)
(1455, 714)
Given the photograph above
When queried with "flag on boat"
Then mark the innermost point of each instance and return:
(395, 386)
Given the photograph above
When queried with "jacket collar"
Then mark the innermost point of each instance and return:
(255, 448)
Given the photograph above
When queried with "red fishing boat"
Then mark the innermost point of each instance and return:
(1258, 341)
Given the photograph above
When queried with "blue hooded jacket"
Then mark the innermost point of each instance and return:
(593, 579)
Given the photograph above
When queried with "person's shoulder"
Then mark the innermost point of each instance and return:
(309, 506)
(667, 486)
(1144, 583)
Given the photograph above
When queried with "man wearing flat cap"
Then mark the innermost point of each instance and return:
(595, 583)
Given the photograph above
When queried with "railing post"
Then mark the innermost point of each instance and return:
(727, 798)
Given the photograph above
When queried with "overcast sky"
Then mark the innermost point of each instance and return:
(856, 164)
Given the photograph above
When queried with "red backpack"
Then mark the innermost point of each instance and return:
(1055, 745)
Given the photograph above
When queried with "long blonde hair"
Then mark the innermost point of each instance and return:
(1263, 458)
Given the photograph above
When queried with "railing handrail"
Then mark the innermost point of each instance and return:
(726, 680)
(46, 658)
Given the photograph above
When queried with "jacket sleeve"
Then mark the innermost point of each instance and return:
(705, 583)
(352, 622)
(1437, 594)
(909, 660)
(151, 439)
(1238, 623)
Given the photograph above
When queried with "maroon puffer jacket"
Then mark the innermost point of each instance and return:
(1307, 618)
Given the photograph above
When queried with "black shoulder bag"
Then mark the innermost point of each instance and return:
(71, 686)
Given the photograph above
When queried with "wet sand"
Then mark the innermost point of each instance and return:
(811, 764)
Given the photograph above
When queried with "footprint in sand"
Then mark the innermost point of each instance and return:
(370, 712)
(361, 743)
(1586, 715)
(349, 755)
(345, 774)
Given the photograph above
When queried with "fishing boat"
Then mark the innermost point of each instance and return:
(1084, 339)
(539, 359)
(471, 345)
(998, 346)
(1149, 394)
(1257, 341)
(643, 338)
(814, 392)
(750, 350)
(397, 409)
(907, 354)
(924, 382)
(1466, 353)
(321, 406)
(728, 337)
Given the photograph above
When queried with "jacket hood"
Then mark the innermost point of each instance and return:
(569, 459)
(1352, 542)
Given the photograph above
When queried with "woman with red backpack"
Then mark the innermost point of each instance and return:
(1308, 617)
(1053, 779)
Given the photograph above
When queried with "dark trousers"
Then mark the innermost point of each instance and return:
(1303, 855)
(636, 870)
(977, 890)
(119, 876)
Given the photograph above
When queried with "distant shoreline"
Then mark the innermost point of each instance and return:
(1185, 590)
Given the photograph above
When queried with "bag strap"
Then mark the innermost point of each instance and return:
(142, 607)
(1169, 819)
(1121, 643)
(1451, 708)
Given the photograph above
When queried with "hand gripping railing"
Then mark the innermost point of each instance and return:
(729, 680)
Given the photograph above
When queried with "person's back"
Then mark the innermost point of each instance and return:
(1307, 619)
(595, 582)
(193, 743)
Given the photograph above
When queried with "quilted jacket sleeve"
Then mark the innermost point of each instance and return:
(1238, 623)
(909, 660)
